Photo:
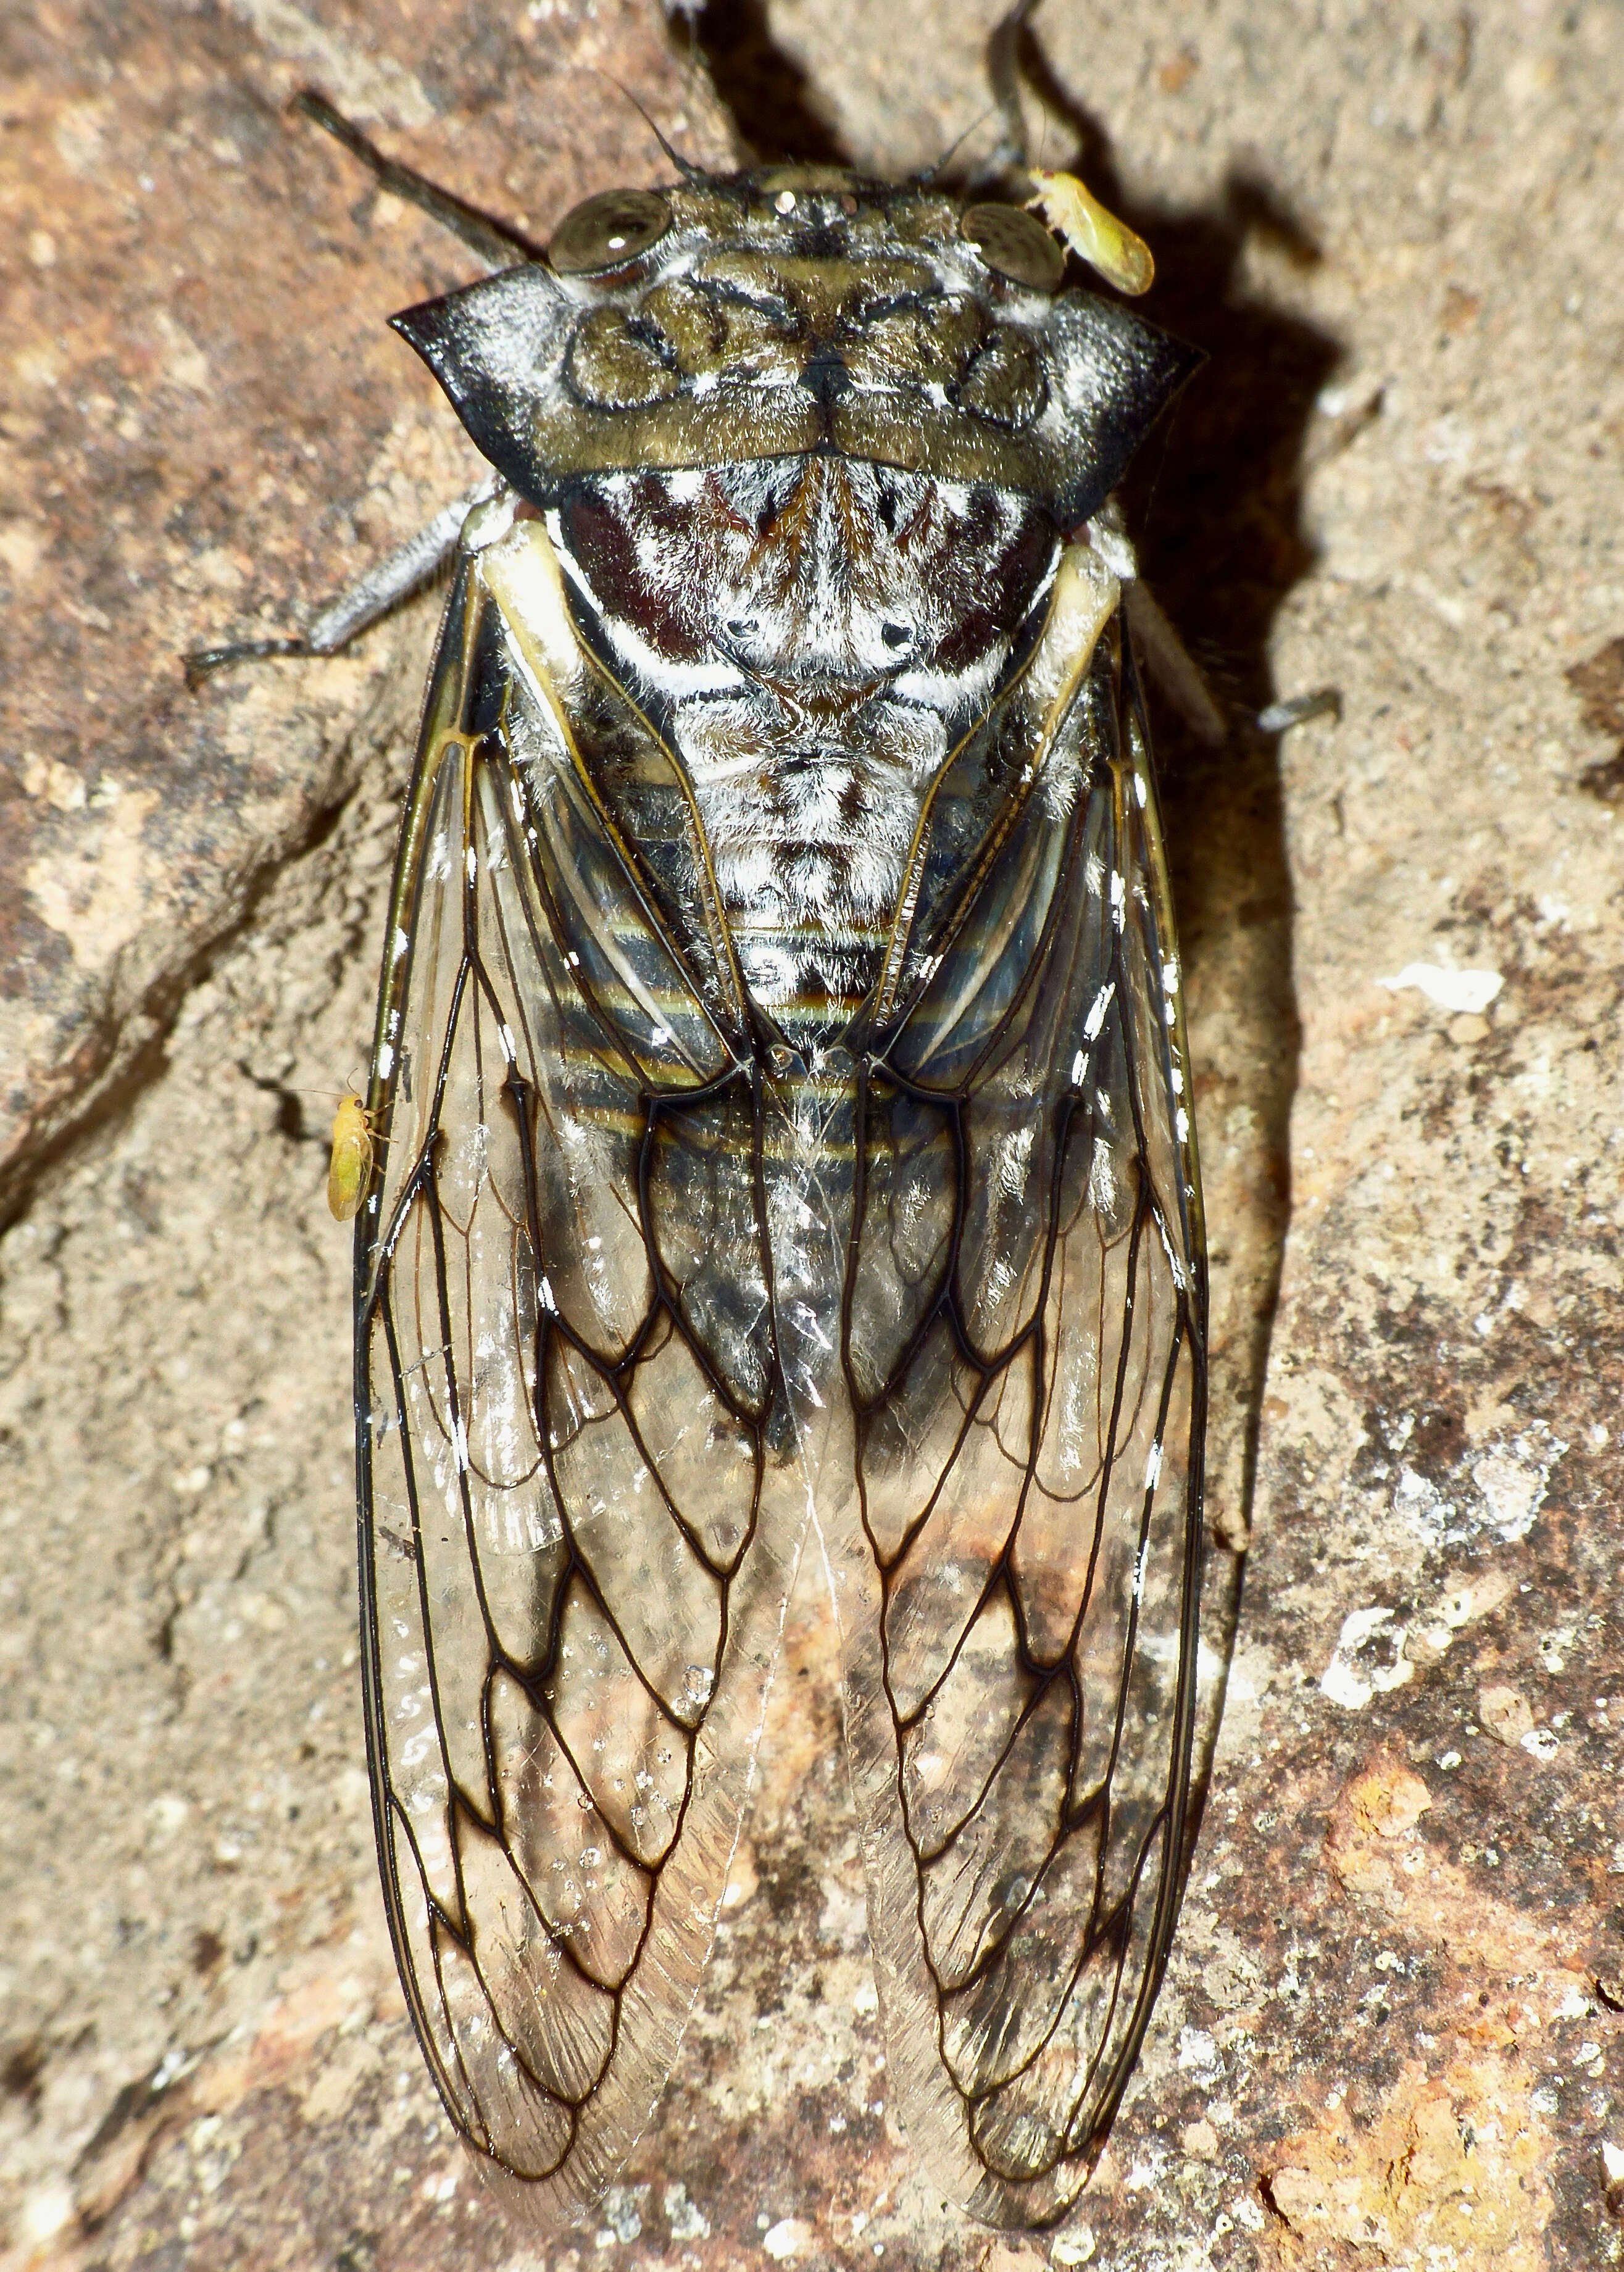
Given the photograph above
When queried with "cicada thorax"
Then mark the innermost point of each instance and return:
(812, 638)
(823, 694)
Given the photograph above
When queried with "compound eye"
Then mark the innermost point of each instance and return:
(607, 231)
(1015, 244)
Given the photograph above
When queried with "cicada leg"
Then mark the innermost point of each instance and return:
(413, 563)
(406, 570)
(497, 242)
(1173, 667)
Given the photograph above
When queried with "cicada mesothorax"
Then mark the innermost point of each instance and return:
(780, 1091)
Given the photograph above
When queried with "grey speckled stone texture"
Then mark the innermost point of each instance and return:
(1391, 2032)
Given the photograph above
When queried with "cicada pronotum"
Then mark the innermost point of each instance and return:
(781, 1087)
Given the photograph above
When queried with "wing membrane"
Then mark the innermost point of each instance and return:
(1017, 1564)
(579, 1517)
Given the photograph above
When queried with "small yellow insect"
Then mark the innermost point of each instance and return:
(1094, 235)
(355, 1147)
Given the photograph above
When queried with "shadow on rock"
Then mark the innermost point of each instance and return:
(764, 88)
(1216, 505)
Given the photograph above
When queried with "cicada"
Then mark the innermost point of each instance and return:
(782, 1113)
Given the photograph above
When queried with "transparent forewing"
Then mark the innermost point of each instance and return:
(1018, 1563)
(579, 1518)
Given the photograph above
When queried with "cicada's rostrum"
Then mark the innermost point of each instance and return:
(781, 1096)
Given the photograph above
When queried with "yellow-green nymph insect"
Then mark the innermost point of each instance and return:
(350, 1162)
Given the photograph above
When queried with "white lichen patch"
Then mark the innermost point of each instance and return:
(1352, 1677)
(1501, 1489)
(1458, 991)
(1513, 1478)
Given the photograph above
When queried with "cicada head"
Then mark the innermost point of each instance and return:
(798, 311)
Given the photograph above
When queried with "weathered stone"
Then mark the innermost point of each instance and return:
(1391, 2034)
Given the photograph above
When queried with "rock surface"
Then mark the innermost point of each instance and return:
(1391, 2033)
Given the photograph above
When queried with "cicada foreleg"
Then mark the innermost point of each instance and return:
(406, 570)
(416, 563)
(497, 242)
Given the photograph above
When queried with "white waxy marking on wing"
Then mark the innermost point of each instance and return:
(1119, 898)
(1170, 977)
(421, 1747)
(1014, 1159)
(1097, 1008)
(806, 1318)
(1153, 1466)
(1181, 1276)
(1139, 1571)
(385, 1061)
(1079, 1066)
(510, 1048)
(402, 940)
(1141, 790)
(544, 1296)
(1182, 1123)
(1103, 1180)
(1176, 1075)
(472, 862)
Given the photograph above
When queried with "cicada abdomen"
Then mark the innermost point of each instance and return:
(781, 1063)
